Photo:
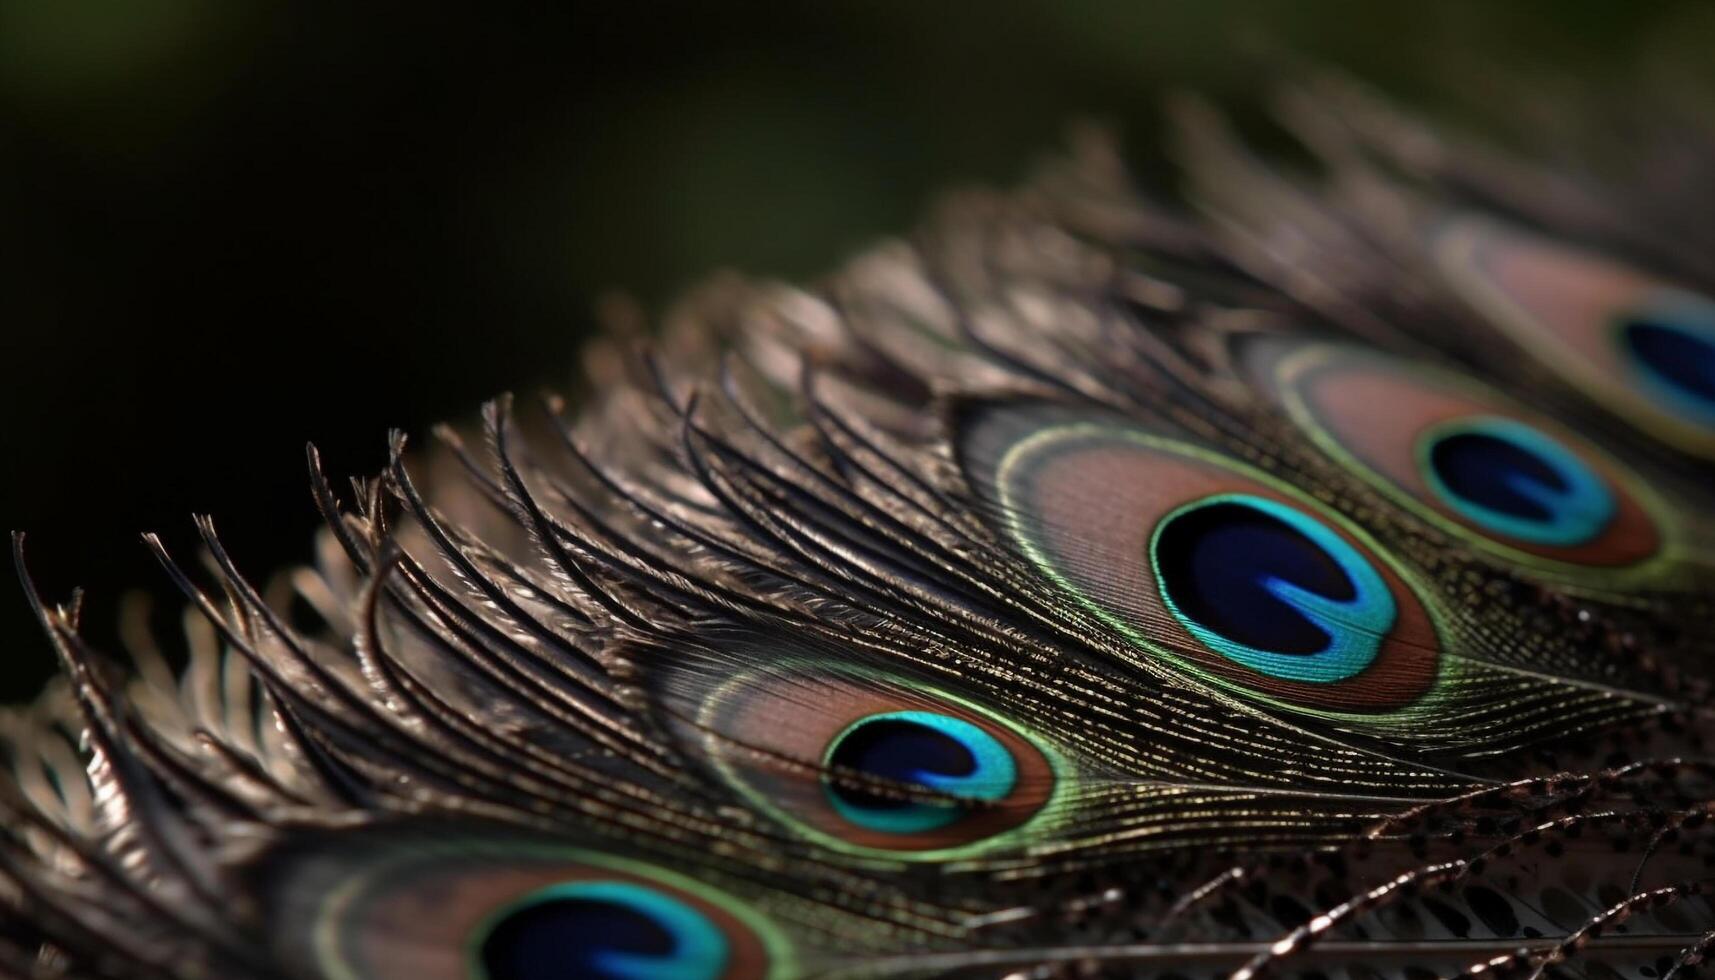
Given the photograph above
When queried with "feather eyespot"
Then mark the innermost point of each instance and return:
(938, 751)
(1515, 480)
(1206, 564)
(1669, 343)
(419, 908)
(1271, 588)
(617, 929)
(1465, 458)
(1641, 346)
(862, 761)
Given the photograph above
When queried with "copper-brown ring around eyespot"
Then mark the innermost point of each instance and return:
(1396, 414)
(780, 759)
(1115, 491)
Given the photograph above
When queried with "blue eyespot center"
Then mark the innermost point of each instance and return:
(1218, 562)
(1271, 588)
(1670, 345)
(1513, 479)
(1499, 474)
(614, 930)
(916, 748)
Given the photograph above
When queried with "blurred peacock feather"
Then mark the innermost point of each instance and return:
(1307, 574)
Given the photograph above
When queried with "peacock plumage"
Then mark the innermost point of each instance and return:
(1304, 574)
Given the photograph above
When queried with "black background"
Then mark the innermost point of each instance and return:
(230, 228)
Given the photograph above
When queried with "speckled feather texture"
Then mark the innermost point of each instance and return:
(1304, 571)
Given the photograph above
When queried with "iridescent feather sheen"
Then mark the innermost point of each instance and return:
(1307, 576)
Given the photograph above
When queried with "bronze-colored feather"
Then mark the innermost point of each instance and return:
(1309, 577)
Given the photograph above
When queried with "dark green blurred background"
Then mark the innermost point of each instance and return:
(230, 227)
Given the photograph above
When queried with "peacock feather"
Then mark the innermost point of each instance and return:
(1304, 574)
